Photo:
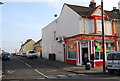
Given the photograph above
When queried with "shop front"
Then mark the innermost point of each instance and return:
(83, 46)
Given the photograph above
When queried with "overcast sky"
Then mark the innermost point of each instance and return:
(24, 19)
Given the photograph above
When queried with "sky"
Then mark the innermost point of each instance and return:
(24, 19)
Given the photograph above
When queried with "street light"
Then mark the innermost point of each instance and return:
(103, 36)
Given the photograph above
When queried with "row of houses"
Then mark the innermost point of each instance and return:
(77, 33)
(32, 45)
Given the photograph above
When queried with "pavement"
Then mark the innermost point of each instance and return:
(0, 68)
(72, 68)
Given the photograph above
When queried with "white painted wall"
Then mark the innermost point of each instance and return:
(48, 44)
(68, 22)
(68, 25)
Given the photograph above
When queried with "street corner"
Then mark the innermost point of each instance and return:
(82, 69)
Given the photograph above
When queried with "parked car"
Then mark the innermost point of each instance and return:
(32, 54)
(17, 54)
(113, 62)
(23, 55)
(5, 56)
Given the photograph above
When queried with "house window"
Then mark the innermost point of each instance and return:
(99, 26)
(72, 50)
(92, 26)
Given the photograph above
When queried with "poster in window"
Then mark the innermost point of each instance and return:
(72, 50)
(98, 46)
(72, 47)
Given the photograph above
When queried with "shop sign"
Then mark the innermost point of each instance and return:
(89, 38)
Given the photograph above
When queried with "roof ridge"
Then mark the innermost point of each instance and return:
(75, 5)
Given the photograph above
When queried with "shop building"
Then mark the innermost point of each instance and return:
(77, 31)
(89, 46)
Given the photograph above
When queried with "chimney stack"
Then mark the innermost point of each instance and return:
(92, 4)
(115, 9)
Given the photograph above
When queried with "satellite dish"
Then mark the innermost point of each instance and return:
(55, 15)
(1, 3)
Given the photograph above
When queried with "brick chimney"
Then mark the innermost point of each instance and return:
(92, 4)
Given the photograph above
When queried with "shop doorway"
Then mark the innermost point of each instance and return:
(84, 55)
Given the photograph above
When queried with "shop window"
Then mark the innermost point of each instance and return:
(109, 47)
(72, 51)
(98, 55)
(98, 51)
(98, 46)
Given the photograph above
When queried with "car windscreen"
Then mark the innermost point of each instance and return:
(32, 52)
(113, 56)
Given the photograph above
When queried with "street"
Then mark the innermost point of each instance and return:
(19, 68)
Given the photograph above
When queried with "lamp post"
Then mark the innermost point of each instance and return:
(103, 36)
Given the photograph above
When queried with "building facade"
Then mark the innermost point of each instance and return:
(77, 31)
(28, 45)
(38, 47)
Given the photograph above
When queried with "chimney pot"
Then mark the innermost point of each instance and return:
(92, 4)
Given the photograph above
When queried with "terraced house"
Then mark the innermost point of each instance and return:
(77, 33)
(28, 45)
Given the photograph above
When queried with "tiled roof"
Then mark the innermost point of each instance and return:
(81, 10)
(113, 15)
(26, 42)
(87, 11)
(37, 41)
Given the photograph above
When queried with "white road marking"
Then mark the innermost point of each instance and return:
(71, 74)
(40, 78)
(82, 75)
(41, 73)
(60, 75)
(52, 77)
(28, 65)
(11, 71)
